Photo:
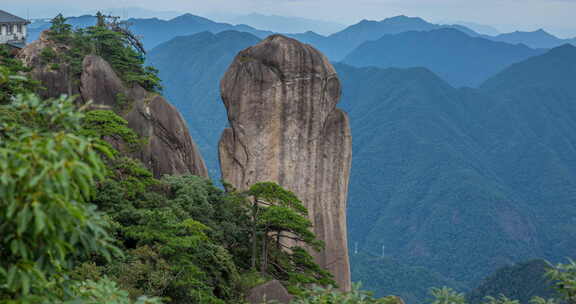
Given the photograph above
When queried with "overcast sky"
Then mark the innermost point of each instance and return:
(556, 16)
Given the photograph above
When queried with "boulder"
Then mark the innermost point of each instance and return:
(269, 291)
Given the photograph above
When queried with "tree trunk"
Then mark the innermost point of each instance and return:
(264, 266)
(254, 237)
(278, 240)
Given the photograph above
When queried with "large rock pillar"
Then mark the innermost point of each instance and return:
(281, 98)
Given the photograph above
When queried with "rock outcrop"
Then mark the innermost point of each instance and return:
(281, 98)
(168, 147)
(269, 291)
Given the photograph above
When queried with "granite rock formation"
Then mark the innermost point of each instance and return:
(168, 148)
(281, 98)
(269, 291)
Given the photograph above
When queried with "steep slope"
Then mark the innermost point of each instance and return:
(521, 282)
(456, 57)
(385, 276)
(281, 98)
(536, 39)
(420, 184)
(168, 147)
(464, 181)
(192, 82)
(534, 152)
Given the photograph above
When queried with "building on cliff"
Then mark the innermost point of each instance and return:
(13, 30)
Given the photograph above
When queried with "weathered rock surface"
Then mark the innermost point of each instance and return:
(169, 148)
(281, 98)
(269, 291)
(56, 82)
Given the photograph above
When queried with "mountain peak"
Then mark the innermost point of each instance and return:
(563, 50)
(191, 18)
(403, 19)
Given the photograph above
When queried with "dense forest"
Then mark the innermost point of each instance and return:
(82, 221)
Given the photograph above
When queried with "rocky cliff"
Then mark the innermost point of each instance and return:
(168, 147)
(281, 98)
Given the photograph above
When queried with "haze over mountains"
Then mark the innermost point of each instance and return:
(282, 24)
(453, 182)
(449, 52)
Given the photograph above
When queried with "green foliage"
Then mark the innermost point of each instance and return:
(170, 252)
(502, 299)
(12, 82)
(564, 278)
(59, 29)
(539, 300)
(278, 216)
(105, 123)
(47, 178)
(319, 295)
(105, 291)
(386, 275)
(447, 295)
(105, 41)
(521, 281)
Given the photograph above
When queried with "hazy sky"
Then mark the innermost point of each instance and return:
(556, 16)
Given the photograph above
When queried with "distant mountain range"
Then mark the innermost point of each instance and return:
(154, 31)
(458, 58)
(283, 24)
(535, 39)
(338, 45)
(464, 181)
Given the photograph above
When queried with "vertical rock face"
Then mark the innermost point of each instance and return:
(169, 148)
(281, 98)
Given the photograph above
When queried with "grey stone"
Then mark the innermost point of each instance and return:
(269, 291)
(281, 98)
(169, 148)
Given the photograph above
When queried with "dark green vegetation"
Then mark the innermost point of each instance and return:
(105, 39)
(11, 82)
(456, 57)
(521, 281)
(385, 276)
(463, 182)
